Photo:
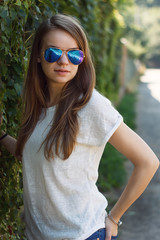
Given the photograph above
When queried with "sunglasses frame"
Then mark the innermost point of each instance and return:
(63, 51)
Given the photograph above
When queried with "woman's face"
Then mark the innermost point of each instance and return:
(62, 70)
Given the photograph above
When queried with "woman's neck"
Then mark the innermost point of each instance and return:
(54, 93)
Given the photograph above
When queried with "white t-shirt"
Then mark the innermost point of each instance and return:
(61, 199)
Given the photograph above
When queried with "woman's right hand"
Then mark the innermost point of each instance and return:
(9, 142)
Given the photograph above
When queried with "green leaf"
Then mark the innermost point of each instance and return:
(48, 3)
(37, 9)
(4, 13)
(18, 88)
(21, 13)
(25, 4)
(2, 26)
(6, 2)
(13, 13)
(4, 39)
(18, 3)
(3, 69)
(17, 68)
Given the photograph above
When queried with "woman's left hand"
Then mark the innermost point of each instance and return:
(111, 229)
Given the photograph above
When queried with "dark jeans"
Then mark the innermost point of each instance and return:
(100, 235)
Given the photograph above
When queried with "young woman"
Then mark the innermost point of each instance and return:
(66, 125)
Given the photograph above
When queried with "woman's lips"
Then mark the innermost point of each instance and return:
(62, 71)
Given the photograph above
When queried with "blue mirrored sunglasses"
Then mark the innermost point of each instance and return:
(53, 54)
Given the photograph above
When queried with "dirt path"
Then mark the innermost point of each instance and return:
(142, 220)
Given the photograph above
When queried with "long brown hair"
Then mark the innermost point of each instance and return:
(75, 94)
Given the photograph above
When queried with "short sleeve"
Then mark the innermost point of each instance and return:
(98, 120)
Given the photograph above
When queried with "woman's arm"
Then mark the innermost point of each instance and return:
(9, 143)
(145, 164)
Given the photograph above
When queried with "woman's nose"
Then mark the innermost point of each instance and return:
(63, 59)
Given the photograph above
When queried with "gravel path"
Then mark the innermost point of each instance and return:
(142, 220)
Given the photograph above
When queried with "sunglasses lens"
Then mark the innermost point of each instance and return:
(75, 56)
(52, 54)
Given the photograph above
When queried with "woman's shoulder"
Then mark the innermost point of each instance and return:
(97, 98)
(98, 105)
(97, 102)
(98, 120)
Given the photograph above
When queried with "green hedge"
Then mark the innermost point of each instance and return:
(19, 19)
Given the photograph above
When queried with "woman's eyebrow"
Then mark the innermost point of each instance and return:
(50, 45)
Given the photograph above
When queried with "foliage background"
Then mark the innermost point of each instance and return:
(142, 31)
(104, 25)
